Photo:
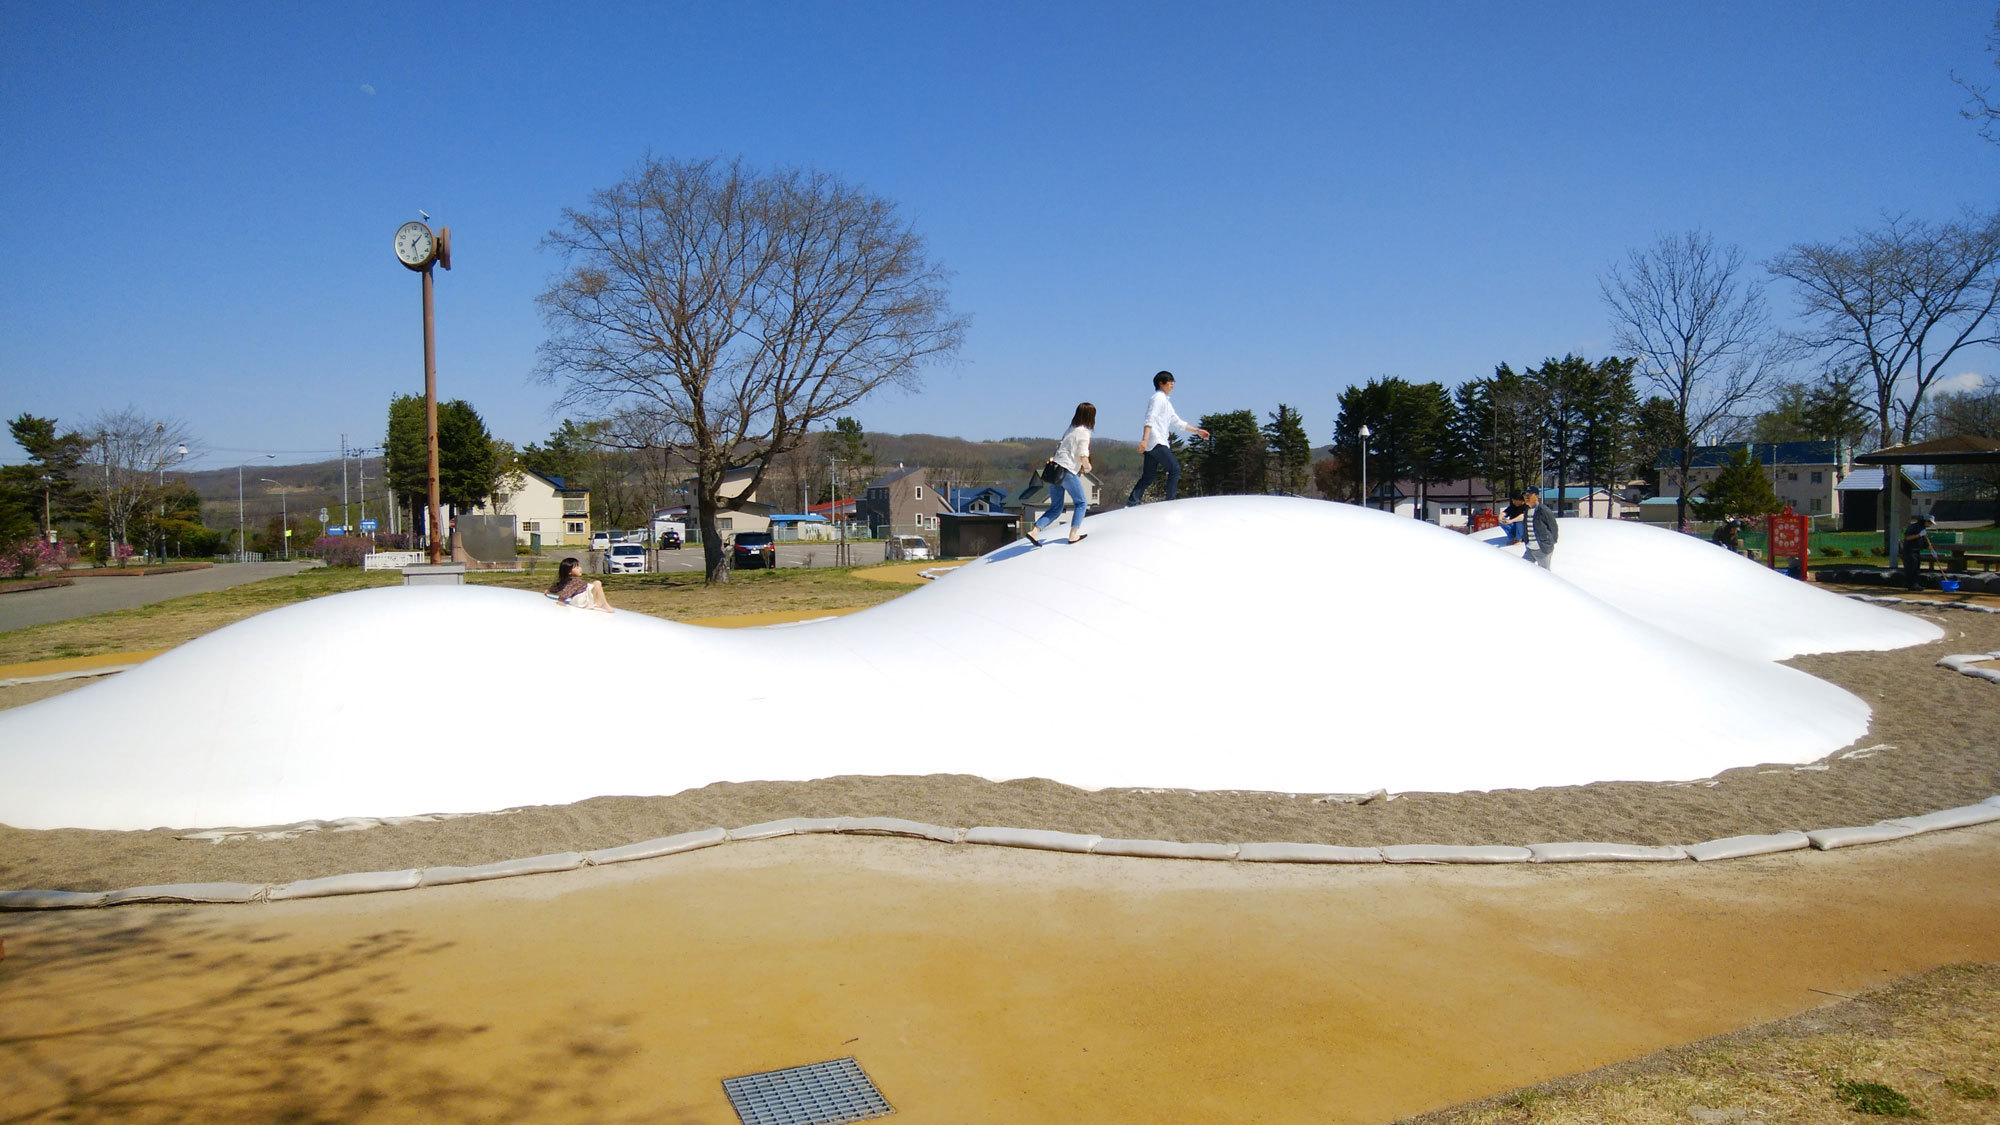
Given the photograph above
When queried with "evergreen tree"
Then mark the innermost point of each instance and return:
(1230, 461)
(1741, 488)
(1600, 400)
(849, 444)
(466, 462)
(1827, 409)
(46, 483)
(1656, 434)
(1414, 432)
(1290, 449)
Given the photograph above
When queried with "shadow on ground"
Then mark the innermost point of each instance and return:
(159, 1016)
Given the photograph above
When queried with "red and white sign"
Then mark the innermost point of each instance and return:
(1789, 534)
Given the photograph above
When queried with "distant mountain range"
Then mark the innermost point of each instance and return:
(307, 488)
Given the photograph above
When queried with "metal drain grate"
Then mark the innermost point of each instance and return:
(825, 1093)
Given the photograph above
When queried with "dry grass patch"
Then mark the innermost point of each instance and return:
(676, 597)
(1926, 1047)
(681, 597)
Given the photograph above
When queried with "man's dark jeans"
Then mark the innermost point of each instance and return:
(1159, 459)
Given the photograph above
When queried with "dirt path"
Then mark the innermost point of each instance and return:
(973, 984)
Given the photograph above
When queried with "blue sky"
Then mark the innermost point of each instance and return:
(1273, 200)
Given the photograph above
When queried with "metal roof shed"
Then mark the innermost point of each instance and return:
(1959, 449)
(964, 535)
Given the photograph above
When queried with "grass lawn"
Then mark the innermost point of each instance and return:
(676, 597)
(1925, 1047)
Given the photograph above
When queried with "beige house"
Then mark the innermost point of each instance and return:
(547, 513)
(752, 515)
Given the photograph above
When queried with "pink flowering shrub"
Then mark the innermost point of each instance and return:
(30, 557)
(341, 550)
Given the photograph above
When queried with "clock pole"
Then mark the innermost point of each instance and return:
(419, 248)
(431, 417)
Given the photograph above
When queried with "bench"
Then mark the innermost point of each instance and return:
(1961, 556)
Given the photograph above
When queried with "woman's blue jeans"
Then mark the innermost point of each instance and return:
(1072, 484)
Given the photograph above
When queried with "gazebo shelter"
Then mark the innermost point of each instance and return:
(1963, 449)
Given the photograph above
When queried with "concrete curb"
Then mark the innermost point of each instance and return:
(1037, 839)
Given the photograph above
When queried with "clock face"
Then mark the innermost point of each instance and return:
(415, 245)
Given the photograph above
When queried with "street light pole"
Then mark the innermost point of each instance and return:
(159, 533)
(242, 543)
(1366, 433)
(284, 517)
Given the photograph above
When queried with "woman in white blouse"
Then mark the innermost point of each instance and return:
(1073, 457)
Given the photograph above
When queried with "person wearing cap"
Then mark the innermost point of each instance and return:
(1916, 541)
(1538, 530)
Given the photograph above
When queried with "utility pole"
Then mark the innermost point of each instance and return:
(343, 483)
(361, 468)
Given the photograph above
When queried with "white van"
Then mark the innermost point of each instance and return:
(908, 547)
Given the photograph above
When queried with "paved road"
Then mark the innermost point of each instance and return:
(100, 595)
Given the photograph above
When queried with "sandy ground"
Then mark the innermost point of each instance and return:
(972, 984)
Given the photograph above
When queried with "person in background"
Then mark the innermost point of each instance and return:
(1510, 517)
(1538, 530)
(1728, 535)
(574, 590)
(1160, 422)
(1073, 457)
(1916, 542)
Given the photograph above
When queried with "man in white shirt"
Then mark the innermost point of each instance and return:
(1160, 421)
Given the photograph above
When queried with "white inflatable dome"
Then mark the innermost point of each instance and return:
(1695, 589)
(1241, 643)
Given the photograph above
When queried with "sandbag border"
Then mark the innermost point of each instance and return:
(1963, 665)
(1037, 839)
(1927, 603)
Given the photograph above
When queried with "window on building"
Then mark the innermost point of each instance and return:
(531, 525)
(1817, 502)
(725, 523)
(1791, 476)
(1819, 478)
(575, 527)
(919, 493)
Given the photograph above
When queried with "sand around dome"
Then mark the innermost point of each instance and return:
(1241, 643)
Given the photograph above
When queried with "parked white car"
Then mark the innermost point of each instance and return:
(600, 540)
(625, 558)
(907, 547)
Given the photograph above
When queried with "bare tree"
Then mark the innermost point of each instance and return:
(734, 309)
(646, 445)
(123, 471)
(1699, 330)
(1898, 303)
(1985, 107)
